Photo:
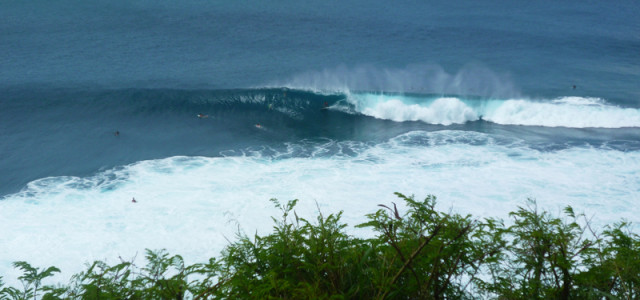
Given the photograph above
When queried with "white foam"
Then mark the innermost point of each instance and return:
(400, 108)
(576, 112)
(190, 205)
(580, 101)
(573, 112)
(445, 111)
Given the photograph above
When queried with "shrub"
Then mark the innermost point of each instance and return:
(422, 253)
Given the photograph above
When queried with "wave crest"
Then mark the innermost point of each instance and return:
(572, 112)
(444, 111)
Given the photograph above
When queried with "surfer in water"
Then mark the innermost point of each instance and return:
(258, 125)
(202, 116)
(117, 133)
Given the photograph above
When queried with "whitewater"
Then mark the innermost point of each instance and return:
(573, 112)
(220, 106)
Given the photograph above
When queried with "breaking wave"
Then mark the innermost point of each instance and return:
(572, 112)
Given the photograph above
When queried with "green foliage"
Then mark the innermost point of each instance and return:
(298, 260)
(31, 281)
(612, 269)
(429, 254)
(164, 277)
(421, 253)
(102, 281)
(545, 253)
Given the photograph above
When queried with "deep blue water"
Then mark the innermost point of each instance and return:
(72, 73)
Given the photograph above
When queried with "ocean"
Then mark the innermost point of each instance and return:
(204, 110)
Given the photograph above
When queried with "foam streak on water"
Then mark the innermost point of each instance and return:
(190, 205)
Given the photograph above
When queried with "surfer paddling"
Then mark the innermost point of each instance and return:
(202, 116)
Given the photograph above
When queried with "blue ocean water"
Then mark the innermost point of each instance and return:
(482, 104)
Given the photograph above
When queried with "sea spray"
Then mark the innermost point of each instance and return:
(470, 80)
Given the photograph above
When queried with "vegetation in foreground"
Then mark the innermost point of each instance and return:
(418, 254)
